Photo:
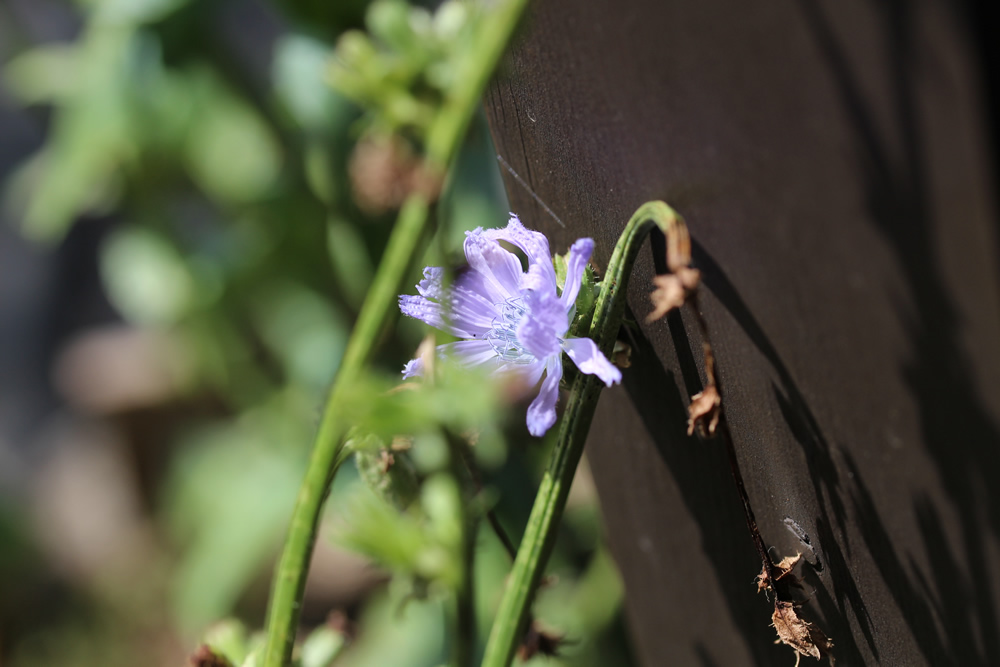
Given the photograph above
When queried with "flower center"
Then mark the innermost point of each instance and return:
(503, 336)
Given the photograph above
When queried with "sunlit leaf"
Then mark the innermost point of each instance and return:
(299, 74)
(145, 277)
(303, 330)
(132, 11)
(230, 492)
(230, 150)
(44, 74)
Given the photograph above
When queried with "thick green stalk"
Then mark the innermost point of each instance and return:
(540, 534)
(379, 308)
(290, 576)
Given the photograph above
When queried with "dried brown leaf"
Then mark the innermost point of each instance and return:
(704, 410)
(689, 277)
(471, 436)
(426, 181)
(671, 290)
(206, 657)
(621, 355)
(804, 637)
(678, 246)
(338, 621)
(537, 641)
(787, 564)
(384, 171)
(763, 581)
(427, 352)
(784, 569)
(385, 461)
(401, 443)
(669, 294)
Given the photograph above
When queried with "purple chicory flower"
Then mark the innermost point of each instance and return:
(513, 319)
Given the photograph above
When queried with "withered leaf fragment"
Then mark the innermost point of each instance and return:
(537, 641)
(384, 171)
(784, 569)
(705, 410)
(385, 461)
(206, 657)
(669, 294)
(804, 637)
(339, 622)
(621, 355)
(671, 290)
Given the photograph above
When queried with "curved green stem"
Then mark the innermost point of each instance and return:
(379, 309)
(540, 534)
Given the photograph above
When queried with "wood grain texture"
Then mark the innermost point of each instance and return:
(833, 165)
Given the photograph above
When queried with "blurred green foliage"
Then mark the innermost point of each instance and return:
(236, 233)
(400, 69)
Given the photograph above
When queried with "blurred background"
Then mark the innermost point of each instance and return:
(181, 261)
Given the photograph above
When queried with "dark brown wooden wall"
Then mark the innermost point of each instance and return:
(832, 161)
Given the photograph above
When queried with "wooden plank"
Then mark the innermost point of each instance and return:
(833, 164)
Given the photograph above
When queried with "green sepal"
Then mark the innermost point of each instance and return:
(590, 287)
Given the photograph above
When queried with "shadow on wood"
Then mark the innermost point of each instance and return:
(832, 162)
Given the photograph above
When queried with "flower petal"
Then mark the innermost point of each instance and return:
(468, 353)
(590, 360)
(531, 373)
(576, 262)
(432, 286)
(542, 327)
(534, 244)
(425, 310)
(468, 308)
(499, 269)
(542, 411)
(413, 368)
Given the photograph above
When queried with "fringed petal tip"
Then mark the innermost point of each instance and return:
(576, 262)
(499, 268)
(431, 286)
(534, 244)
(413, 368)
(464, 322)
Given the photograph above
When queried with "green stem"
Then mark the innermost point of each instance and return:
(540, 534)
(379, 308)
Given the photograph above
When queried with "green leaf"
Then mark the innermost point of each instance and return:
(228, 495)
(133, 11)
(228, 638)
(91, 138)
(45, 74)
(303, 330)
(322, 647)
(230, 150)
(349, 259)
(299, 72)
(145, 278)
(399, 631)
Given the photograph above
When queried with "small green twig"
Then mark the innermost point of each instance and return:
(540, 534)
(465, 626)
(491, 515)
(379, 308)
(290, 577)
